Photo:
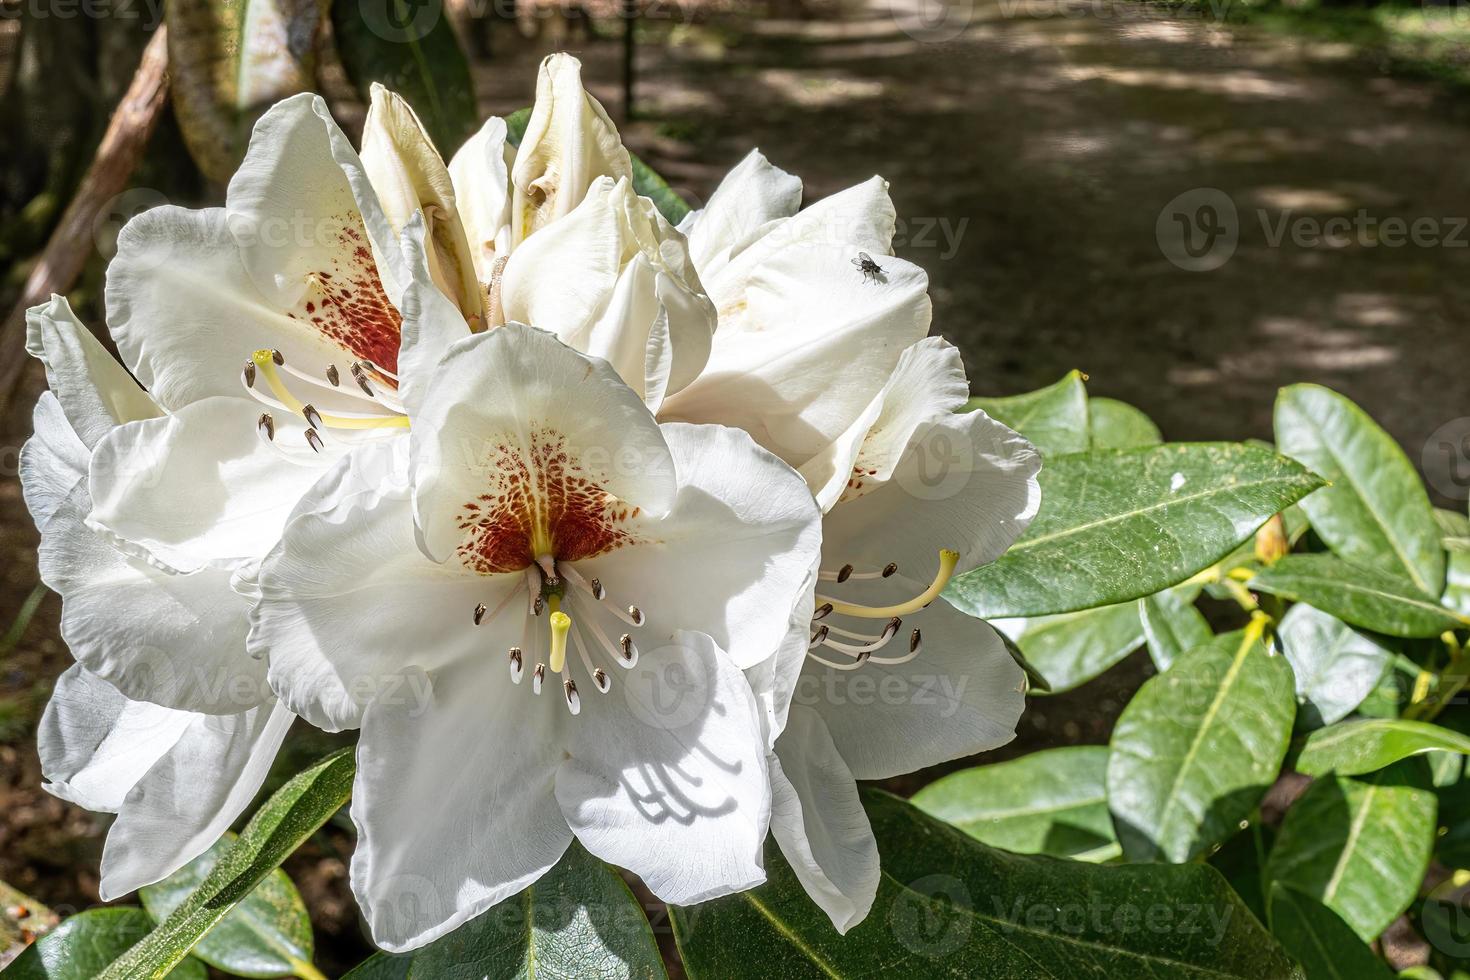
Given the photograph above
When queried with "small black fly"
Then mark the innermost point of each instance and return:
(872, 271)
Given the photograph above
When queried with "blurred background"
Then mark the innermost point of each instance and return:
(1193, 203)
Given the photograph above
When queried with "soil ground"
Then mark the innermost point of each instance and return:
(1031, 153)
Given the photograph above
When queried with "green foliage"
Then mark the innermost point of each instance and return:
(292, 814)
(1050, 802)
(1319, 939)
(1118, 425)
(411, 49)
(1197, 748)
(1054, 418)
(268, 934)
(1356, 747)
(1359, 845)
(1073, 648)
(1336, 667)
(1172, 624)
(951, 906)
(82, 946)
(1117, 525)
(1358, 595)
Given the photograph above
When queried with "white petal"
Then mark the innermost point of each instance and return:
(505, 406)
(569, 142)
(94, 390)
(928, 381)
(431, 323)
(453, 802)
(860, 218)
(191, 796)
(810, 346)
(481, 174)
(52, 462)
(668, 778)
(200, 486)
(732, 557)
(95, 744)
(751, 196)
(174, 640)
(963, 482)
(410, 178)
(300, 189)
(774, 679)
(819, 822)
(347, 601)
(187, 314)
(614, 279)
(960, 696)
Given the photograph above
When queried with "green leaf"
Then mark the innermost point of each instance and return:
(1197, 747)
(1335, 666)
(410, 48)
(84, 944)
(381, 966)
(1035, 679)
(267, 935)
(1358, 595)
(577, 920)
(1359, 845)
(1117, 525)
(1118, 425)
(1457, 582)
(1376, 511)
(1242, 861)
(1048, 802)
(1355, 747)
(645, 180)
(290, 816)
(229, 61)
(1324, 944)
(1073, 648)
(1053, 418)
(949, 906)
(1172, 625)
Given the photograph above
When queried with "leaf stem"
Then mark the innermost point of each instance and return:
(305, 970)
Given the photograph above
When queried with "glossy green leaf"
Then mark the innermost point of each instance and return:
(229, 61)
(268, 934)
(645, 180)
(1358, 595)
(1053, 418)
(1118, 425)
(381, 966)
(1355, 747)
(1117, 525)
(1324, 944)
(84, 944)
(1172, 624)
(1197, 747)
(291, 815)
(1376, 511)
(1457, 582)
(949, 906)
(1452, 840)
(1073, 648)
(578, 920)
(409, 46)
(1359, 845)
(1048, 802)
(1335, 666)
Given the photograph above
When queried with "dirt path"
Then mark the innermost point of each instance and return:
(1047, 136)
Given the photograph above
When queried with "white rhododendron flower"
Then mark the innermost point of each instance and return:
(825, 362)
(165, 720)
(580, 587)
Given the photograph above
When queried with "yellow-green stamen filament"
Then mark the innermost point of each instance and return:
(948, 559)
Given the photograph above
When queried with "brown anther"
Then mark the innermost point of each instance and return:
(333, 375)
(249, 374)
(890, 568)
(278, 358)
(843, 574)
(266, 425)
(313, 440)
(823, 611)
(479, 613)
(312, 416)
